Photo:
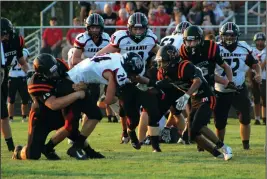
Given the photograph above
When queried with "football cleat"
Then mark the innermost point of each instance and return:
(221, 156)
(157, 150)
(147, 141)
(227, 152)
(92, 154)
(115, 119)
(134, 141)
(257, 122)
(51, 155)
(76, 153)
(125, 140)
(16, 152)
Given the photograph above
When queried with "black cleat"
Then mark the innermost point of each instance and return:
(134, 141)
(16, 152)
(264, 122)
(76, 153)
(257, 122)
(51, 155)
(246, 146)
(92, 154)
(157, 150)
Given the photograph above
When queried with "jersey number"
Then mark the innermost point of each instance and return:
(167, 41)
(229, 61)
(15, 64)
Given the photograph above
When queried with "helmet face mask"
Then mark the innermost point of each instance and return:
(180, 28)
(193, 38)
(94, 25)
(137, 26)
(229, 34)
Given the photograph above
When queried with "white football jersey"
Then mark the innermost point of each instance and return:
(121, 39)
(15, 70)
(237, 61)
(91, 70)
(84, 42)
(260, 55)
(175, 40)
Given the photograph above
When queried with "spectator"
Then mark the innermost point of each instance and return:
(130, 8)
(152, 19)
(70, 37)
(207, 10)
(210, 36)
(154, 5)
(178, 18)
(140, 8)
(219, 15)
(163, 18)
(100, 6)
(109, 19)
(85, 9)
(187, 5)
(118, 5)
(52, 39)
(194, 12)
(207, 22)
(123, 19)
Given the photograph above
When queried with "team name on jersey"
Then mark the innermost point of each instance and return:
(14, 52)
(141, 47)
(231, 54)
(93, 49)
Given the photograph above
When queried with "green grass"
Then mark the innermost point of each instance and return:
(122, 161)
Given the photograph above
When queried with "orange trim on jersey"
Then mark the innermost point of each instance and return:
(78, 44)
(210, 49)
(214, 50)
(40, 85)
(38, 90)
(183, 52)
(181, 68)
(64, 63)
(212, 102)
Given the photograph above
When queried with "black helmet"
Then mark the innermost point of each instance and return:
(193, 33)
(231, 29)
(45, 64)
(6, 26)
(167, 57)
(181, 27)
(137, 19)
(94, 20)
(132, 63)
(260, 40)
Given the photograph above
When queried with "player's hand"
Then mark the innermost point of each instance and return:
(231, 85)
(182, 101)
(81, 94)
(257, 78)
(79, 86)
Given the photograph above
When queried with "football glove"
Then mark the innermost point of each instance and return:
(182, 101)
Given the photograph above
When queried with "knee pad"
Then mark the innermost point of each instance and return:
(11, 100)
(220, 124)
(245, 120)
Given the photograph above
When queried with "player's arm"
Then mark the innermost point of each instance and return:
(155, 49)
(253, 64)
(223, 64)
(108, 49)
(21, 60)
(111, 88)
(76, 57)
(55, 103)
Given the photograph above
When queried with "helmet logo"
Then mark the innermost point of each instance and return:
(53, 69)
(138, 63)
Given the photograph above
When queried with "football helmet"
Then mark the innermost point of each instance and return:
(193, 38)
(167, 58)
(137, 20)
(181, 27)
(97, 21)
(132, 63)
(229, 34)
(6, 27)
(46, 65)
(260, 40)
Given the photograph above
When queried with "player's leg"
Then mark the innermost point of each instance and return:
(142, 127)
(257, 105)
(13, 86)
(23, 91)
(5, 126)
(223, 104)
(241, 103)
(263, 98)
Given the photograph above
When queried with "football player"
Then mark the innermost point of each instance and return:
(17, 81)
(137, 38)
(238, 54)
(11, 50)
(259, 91)
(46, 115)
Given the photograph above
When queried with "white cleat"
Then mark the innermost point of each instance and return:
(125, 140)
(181, 141)
(227, 152)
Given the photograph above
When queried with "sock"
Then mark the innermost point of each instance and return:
(215, 152)
(219, 144)
(257, 118)
(10, 117)
(80, 141)
(24, 116)
(264, 119)
(10, 144)
(245, 144)
(125, 134)
(155, 142)
(49, 146)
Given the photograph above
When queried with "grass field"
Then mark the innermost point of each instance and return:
(122, 161)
